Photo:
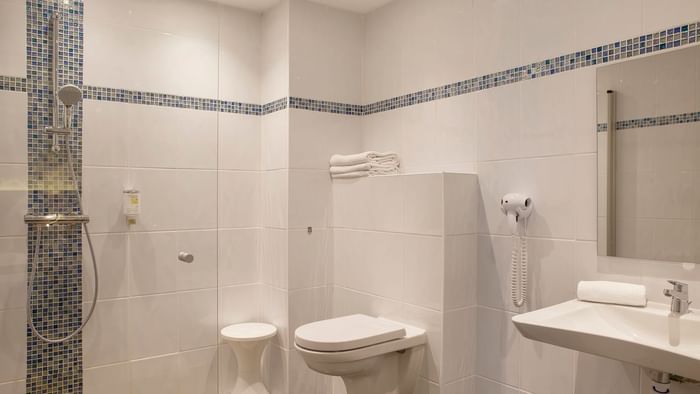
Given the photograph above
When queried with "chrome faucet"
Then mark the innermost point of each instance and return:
(679, 297)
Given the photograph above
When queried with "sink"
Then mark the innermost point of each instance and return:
(649, 337)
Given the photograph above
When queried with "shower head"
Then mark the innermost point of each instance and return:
(70, 95)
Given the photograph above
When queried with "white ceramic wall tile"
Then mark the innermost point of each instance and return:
(275, 310)
(239, 304)
(239, 142)
(306, 306)
(486, 386)
(460, 271)
(13, 38)
(462, 386)
(347, 302)
(102, 198)
(106, 338)
(656, 16)
(424, 272)
(155, 375)
(498, 25)
(545, 368)
(383, 49)
(325, 53)
(593, 373)
(423, 209)
(274, 137)
(315, 136)
(152, 263)
(13, 265)
(431, 322)
(309, 199)
(138, 46)
(303, 380)
(111, 252)
(382, 208)
(13, 199)
(459, 344)
(201, 273)
(13, 332)
(239, 55)
(461, 196)
(239, 199)
(197, 319)
(238, 256)
(13, 111)
(197, 371)
(310, 257)
(538, 19)
(351, 197)
(497, 136)
(275, 198)
(276, 369)
(274, 56)
(498, 346)
(17, 387)
(274, 257)
(622, 20)
(153, 326)
(110, 379)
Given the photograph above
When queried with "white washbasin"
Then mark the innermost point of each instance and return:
(649, 337)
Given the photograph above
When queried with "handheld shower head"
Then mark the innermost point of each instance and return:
(70, 95)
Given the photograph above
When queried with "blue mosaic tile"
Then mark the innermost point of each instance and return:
(325, 106)
(663, 120)
(274, 106)
(13, 84)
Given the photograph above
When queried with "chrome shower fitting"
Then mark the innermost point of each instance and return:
(69, 95)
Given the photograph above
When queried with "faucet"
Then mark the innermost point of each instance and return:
(679, 297)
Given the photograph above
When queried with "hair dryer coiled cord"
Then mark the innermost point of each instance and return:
(518, 271)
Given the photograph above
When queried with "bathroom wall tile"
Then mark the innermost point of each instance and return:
(13, 341)
(425, 386)
(351, 197)
(461, 196)
(306, 306)
(657, 17)
(593, 373)
(586, 197)
(546, 368)
(497, 134)
(197, 371)
(102, 198)
(538, 19)
(13, 199)
(303, 380)
(379, 271)
(239, 256)
(274, 257)
(462, 386)
(106, 338)
(16, 387)
(202, 272)
(152, 263)
(239, 142)
(13, 20)
(239, 54)
(421, 139)
(275, 310)
(486, 386)
(382, 53)
(316, 136)
(589, 266)
(153, 327)
(111, 252)
(157, 374)
(197, 319)
(274, 56)
(348, 250)
(548, 181)
(13, 265)
(228, 369)
(319, 69)
(13, 111)
(275, 198)
(276, 370)
(656, 274)
(239, 199)
(456, 119)
(348, 301)
(109, 379)
(499, 25)
(424, 274)
(423, 204)
(622, 19)
(459, 344)
(385, 203)
(431, 322)
(310, 258)
(497, 347)
(460, 279)
(381, 131)
(239, 304)
(309, 199)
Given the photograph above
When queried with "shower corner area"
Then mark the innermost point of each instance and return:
(219, 121)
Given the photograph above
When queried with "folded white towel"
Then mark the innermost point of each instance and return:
(612, 293)
(359, 158)
(346, 169)
(347, 175)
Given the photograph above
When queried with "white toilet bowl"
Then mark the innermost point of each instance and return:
(248, 341)
(372, 355)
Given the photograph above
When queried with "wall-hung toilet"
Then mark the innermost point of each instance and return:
(372, 355)
(248, 341)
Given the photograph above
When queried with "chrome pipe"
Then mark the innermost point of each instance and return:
(55, 17)
(56, 218)
(611, 175)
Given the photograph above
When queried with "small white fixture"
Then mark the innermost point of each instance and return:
(650, 337)
(248, 341)
(517, 208)
(372, 355)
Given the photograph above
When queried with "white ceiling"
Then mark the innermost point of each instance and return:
(359, 6)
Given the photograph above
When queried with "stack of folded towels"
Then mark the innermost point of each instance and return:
(364, 164)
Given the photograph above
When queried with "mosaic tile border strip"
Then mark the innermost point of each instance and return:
(13, 84)
(275, 106)
(663, 120)
(326, 106)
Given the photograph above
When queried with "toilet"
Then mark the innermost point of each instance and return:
(248, 341)
(372, 355)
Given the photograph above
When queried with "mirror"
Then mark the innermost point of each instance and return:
(649, 157)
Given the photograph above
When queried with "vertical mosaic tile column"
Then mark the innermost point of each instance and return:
(56, 302)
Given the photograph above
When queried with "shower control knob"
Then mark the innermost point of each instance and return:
(185, 257)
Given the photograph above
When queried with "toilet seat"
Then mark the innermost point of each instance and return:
(347, 333)
(246, 332)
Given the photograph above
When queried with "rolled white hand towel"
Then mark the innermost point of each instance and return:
(346, 169)
(359, 158)
(612, 293)
(347, 175)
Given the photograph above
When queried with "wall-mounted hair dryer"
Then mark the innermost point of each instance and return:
(518, 208)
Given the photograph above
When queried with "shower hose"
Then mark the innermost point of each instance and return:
(35, 262)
